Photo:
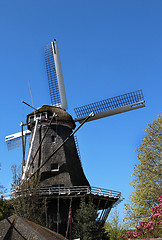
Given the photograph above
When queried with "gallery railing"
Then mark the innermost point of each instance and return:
(59, 190)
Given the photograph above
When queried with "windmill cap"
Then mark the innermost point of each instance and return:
(62, 116)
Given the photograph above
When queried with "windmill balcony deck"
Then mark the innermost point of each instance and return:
(103, 199)
(79, 190)
(104, 196)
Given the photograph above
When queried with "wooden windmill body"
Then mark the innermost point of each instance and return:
(53, 154)
(63, 168)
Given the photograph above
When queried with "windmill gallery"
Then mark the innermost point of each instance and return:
(53, 150)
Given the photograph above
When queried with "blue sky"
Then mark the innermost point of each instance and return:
(107, 48)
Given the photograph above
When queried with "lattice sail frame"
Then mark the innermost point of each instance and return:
(52, 77)
(15, 140)
(55, 76)
(111, 106)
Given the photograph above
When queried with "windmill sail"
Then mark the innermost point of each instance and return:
(15, 140)
(111, 106)
(55, 76)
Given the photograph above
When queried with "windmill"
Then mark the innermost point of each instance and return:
(53, 152)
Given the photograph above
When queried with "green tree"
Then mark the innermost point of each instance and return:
(85, 225)
(6, 209)
(146, 176)
(26, 200)
(16, 177)
(114, 227)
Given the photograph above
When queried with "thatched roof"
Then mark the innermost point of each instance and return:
(23, 229)
(62, 115)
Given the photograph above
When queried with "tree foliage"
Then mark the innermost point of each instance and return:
(114, 227)
(26, 200)
(6, 209)
(85, 225)
(146, 176)
(147, 230)
(16, 177)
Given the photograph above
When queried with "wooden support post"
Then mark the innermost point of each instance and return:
(46, 212)
(69, 221)
(58, 214)
(98, 204)
(23, 147)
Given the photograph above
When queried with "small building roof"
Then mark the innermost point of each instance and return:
(24, 229)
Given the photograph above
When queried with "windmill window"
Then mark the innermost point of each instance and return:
(53, 139)
(54, 167)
